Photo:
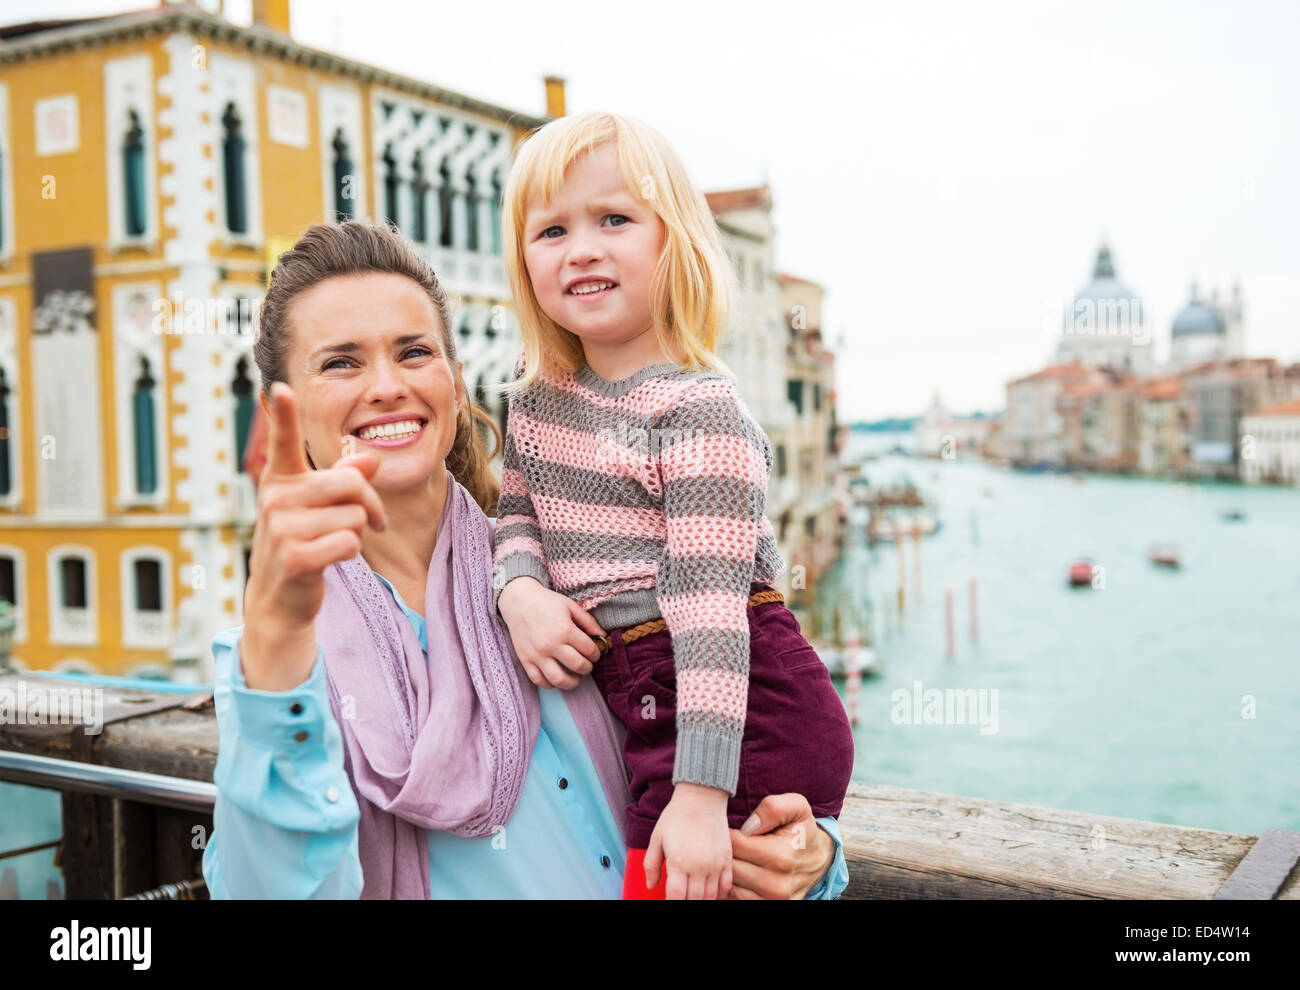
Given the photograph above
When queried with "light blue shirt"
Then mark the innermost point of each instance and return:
(285, 822)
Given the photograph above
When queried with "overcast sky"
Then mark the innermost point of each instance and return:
(945, 170)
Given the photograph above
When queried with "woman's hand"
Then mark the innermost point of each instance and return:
(690, 841)
(784, 855)
(551, 633)
(306, 520)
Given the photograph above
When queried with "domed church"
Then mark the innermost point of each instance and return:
(1105, 323)
(1207, 331)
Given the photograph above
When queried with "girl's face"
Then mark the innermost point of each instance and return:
(592, 251)
(367, 349)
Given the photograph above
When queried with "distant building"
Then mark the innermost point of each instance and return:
(754, 345)
(1161, 426)
(1217, 396)
(810, 525)
(1105, 324)
(1032, 427)
(1271, 444)
(1205, 331)
(941, 434)
(1097, 415)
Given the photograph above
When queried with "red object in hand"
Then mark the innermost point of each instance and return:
(634, 888)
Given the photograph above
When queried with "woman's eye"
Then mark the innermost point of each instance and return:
(329, 364)
(422, 350)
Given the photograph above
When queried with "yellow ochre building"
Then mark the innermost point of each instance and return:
(152, 165)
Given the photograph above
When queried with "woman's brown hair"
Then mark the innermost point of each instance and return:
(354, 247)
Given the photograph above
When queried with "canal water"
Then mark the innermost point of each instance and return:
(1170, 696)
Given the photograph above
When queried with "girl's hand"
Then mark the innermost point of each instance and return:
(692, 836)
(551, 633)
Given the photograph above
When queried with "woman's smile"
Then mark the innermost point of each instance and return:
(395, 433)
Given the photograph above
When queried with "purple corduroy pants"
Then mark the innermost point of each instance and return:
(797, 735)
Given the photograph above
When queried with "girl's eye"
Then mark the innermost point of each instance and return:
(616, 216)
(547, 231)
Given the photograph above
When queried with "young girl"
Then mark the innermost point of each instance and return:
(632, 500)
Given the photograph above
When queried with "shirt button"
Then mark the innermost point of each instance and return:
(332, 795)
(604, 861)
(300, 735)
(563, 783)
(296, 708)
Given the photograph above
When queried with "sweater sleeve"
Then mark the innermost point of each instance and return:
(714, 464)
(517, 540)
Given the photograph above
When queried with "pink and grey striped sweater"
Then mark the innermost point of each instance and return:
(644, 498)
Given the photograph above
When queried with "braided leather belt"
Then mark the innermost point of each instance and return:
(658, 625)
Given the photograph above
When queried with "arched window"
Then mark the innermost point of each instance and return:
(72, 582)
(134, 178)
(445, 197)
(146, 453)
(148, 585)
(8, 580)
(146, 597)
(496, 214)
(391, 183)
(232, 158)
(419, 190)
(242, 387)
(343, 178)
(6, 476)
(471, 203)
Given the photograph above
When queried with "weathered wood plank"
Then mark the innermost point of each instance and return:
(899, 843)
(902, 843)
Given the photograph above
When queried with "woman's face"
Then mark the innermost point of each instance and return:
(594, 232)
(367, 350)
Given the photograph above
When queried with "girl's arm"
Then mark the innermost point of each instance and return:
(714, 464)
(285, 822)
(517, 540)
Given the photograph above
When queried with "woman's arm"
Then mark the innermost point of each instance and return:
(788, 855)
(285, 822)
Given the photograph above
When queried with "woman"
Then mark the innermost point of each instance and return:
(376, 737)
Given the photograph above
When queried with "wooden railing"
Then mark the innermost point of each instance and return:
(899, 843)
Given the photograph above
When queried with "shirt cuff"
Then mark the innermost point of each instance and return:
(291, 721)
(836, 879)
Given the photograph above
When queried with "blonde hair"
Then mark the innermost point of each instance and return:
(693, 284)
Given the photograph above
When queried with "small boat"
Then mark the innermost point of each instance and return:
(1081, 574)
(1164, 556)
(1232, 515)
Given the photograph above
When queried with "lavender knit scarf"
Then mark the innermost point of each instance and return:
(444, 743)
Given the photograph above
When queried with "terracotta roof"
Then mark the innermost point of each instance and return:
(1082, 390)
(1289, 408)
(727, 200)
(785, 279)
(1162, 388)
(1074, 370)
